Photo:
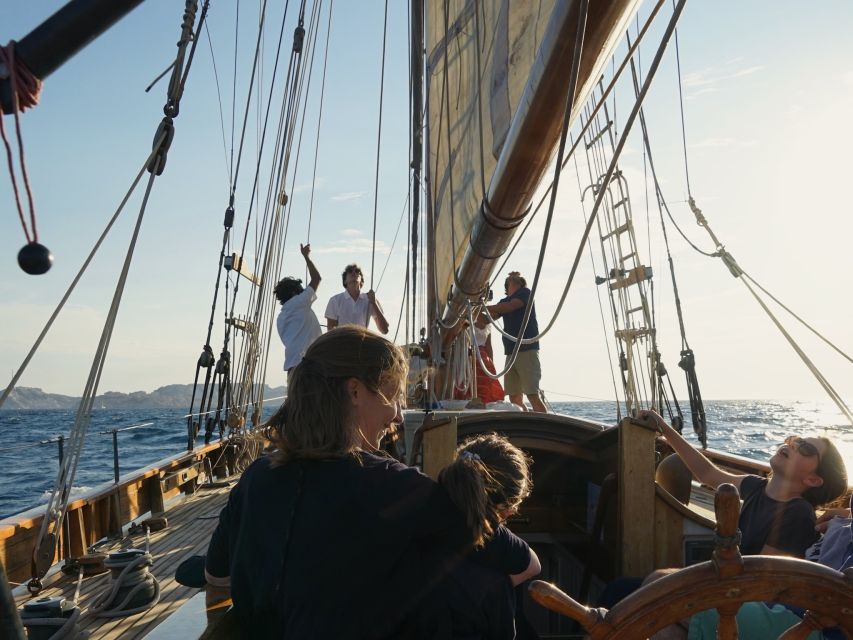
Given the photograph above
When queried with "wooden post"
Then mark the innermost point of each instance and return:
(636, 498)
(155, 495)
(439, 447)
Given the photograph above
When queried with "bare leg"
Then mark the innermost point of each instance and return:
(536, 403)
(518, 399)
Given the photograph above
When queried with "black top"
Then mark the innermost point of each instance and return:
(481, 598)
(787, 526)
(346, 548)
(513, 320)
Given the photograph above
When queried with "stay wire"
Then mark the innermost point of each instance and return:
(319, 121)
(251, 86)
(231, 177)
(221, 110)
(830, 390)
(263, 136)
(394, 241)
(681, 108)
(378, 144)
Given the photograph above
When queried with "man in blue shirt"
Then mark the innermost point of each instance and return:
(524, 376)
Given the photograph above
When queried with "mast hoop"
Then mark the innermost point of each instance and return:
(497, 222)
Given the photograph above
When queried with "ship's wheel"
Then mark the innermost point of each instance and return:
(724, 583)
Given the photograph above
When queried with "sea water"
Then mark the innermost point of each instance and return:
(29, 452)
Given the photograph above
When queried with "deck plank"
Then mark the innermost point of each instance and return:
(191, 523)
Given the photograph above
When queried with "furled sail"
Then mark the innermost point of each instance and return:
(487, 62)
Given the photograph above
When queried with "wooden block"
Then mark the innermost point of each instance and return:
(439, 447)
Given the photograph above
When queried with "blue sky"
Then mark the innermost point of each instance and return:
(768, 93)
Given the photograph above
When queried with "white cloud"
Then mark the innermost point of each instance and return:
(708, 80)
(353, 245)
(347, 196)
(351, 233)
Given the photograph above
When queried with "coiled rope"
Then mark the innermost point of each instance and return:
(132, 589)
(54, 618)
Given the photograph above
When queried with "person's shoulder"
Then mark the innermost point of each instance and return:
(504, 551)
(261, 466)
(522, 294)
(385, 464)
(333, 304)
(800, 507)
(750, 484)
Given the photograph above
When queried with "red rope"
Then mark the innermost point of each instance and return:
(25, 94)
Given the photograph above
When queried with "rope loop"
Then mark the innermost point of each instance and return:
(727, 542)
(26, 89)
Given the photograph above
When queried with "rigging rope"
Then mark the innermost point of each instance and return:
(607, 178)
(394, 241)
(45, 547)
(319, 122)
(600, 306)
(567, 116)
(25, 94)
(11, 386)
(378, 144)
(611, 85)
(681, 106)
(219, 99)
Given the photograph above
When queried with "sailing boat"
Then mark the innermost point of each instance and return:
(479, 178)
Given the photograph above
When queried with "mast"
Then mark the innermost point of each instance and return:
(526, 154)
(57, 39)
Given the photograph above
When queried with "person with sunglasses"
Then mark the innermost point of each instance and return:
(778, 513)
(777, 518)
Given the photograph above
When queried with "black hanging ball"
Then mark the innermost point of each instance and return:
(35, 258)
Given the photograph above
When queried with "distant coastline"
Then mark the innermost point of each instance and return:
(172, 396)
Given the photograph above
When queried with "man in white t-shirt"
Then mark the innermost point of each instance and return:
(351, 306)
(297, 324)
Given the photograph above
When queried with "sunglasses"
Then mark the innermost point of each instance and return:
(803, 447)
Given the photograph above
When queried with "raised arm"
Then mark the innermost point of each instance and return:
(376, 312)
(312, 270)
(702, 469)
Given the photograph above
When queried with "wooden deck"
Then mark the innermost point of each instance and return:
(190, 524)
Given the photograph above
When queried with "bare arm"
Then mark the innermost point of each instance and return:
(503, 308)
(376, 312)
(531, 571)
(824, 518)
(312, 270)
(331, 324)
(702, 469)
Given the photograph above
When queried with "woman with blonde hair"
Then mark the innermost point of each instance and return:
(326, 537)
